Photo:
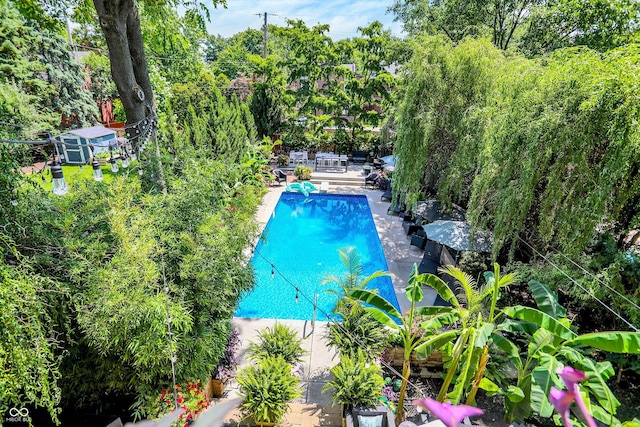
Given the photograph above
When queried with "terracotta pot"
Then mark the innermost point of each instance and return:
(215, 388)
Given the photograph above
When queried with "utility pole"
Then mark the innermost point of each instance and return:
(265, 32)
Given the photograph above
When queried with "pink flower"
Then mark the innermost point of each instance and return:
(561, 400)
(571, 377)
(450, 415)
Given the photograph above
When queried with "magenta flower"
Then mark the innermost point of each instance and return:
(571, 377)
(450, 415)
(561, 400)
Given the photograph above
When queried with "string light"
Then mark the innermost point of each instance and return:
(97, 172)
(114, 165)
(341, 328)
(296, 294)
(58, 183)
(273, 272)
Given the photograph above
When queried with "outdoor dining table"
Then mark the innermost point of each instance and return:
(298, 157)
(331, 160)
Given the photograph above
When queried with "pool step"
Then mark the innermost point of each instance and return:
(337, 180)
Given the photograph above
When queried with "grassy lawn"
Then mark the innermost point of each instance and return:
(74, 175)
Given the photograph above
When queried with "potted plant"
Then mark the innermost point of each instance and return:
(266, 389)
(303, 172)
(280, 340)
(226, 368)
(282, 160)
(356, 383)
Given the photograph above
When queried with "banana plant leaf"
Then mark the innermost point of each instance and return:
(511, 350)
(615, 342)
(542, 378)
(431, 310)
(597, 374)
(442, 289)
(520, 410)
(547, 300)
(375, 300)
(440, 320)
(433, 343)
(541, 319)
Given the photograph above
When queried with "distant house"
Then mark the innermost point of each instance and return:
(75, 145)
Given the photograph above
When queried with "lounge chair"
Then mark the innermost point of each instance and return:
(412, 227)
(371, 179)
(431, 258)
(280, 176)
(388, 194)
(379, 416)
(419, 239)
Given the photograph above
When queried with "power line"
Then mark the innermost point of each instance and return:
(598, 279)
(580, 286)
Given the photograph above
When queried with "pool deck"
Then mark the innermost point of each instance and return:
(314, 407)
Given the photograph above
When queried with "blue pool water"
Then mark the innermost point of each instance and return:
(302, 239)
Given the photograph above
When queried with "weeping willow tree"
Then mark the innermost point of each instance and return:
(547, 150)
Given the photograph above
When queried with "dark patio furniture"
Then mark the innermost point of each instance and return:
(280, 176)
(359, 156)
(379, 416)
(388, 195)
(431, 258)
(419, 239)
(371, 179)
(412, 227)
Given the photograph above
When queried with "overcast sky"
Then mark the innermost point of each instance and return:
(344, 16)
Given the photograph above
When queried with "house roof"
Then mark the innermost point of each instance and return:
(92, 132)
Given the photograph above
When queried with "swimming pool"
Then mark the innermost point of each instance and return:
(301, 240)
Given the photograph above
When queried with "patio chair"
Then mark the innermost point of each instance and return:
(379, 416)
(412, 227)
(371, 179)
(388, 194)
(419, 239)
(431, 258)
(280, 176)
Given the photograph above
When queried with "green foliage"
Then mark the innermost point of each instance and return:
(302, 172)
(102, 86)
(224, 129)
(37, 60)
(29, 356)
(552, 345)
(423, 339)
(357, 329)
(458, 19)
(356, 381)
(503, 141)
(281, 341)
(267, 388)
(268, 100)
(599, 25)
